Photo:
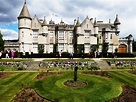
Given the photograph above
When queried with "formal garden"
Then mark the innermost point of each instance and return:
(66, 80)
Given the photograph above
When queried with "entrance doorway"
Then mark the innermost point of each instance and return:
(122, 48)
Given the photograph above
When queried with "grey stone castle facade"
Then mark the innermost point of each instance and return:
(35, 35)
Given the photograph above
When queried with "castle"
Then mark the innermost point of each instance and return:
(35, 35)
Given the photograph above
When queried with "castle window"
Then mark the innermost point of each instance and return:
(100, 37)
(61, 35)
(61, 47)
(51, 48)
(87, 48)
(71, 48)
(106, 36)
(87, 25)
(87, 34)
(22, 33)
(71, 34)
(51, 34)
(35, 34)
(111, 36)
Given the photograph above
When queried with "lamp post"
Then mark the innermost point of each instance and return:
(75, 73)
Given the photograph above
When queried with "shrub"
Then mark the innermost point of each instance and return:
(93, 68)
(21, 68)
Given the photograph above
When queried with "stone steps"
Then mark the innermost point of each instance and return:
(102, 64)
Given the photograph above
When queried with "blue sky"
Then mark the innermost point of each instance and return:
(68, 10)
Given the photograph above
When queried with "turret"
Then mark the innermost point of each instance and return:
(24, 26)
(24, 19)
(78, 27)
(117, 24)
(45, 27)
(95, 27)
(61, 22)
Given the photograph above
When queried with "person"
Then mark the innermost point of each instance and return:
(82, 52)
(12, 54)
(7, 54)
(60, 53)
(23, 54)
(89, 54)
(71, 55)
(95, 54)
(0, 54)
(29, 54)
(98, 54)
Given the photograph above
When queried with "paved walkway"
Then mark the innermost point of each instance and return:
(95, 59)
(38, 59)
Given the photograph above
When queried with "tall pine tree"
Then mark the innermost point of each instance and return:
(1, 42)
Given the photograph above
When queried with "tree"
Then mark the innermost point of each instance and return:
(105, 49)
(1, 42)
(134, 46)
(40, 48)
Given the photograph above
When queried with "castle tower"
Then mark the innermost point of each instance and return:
(45, 27)
(117, 25)
(24, 30)
(95, 28)
(78, 28)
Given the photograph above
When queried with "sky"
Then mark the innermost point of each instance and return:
(68, 10)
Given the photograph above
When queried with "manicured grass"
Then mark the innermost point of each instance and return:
(124, 77)
(99, 89)
(13, 84)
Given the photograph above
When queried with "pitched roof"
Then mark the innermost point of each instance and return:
(105, 25)
(44, 22)
(78, 22)
(116, 20)
(24, 12)
(95, 24)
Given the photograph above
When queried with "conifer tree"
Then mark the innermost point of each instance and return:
(1, 42)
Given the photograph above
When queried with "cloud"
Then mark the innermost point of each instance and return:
(10, 9)
(9, 34)
(68, 10)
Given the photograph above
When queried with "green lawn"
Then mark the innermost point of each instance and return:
(99, 89)
(13, 84)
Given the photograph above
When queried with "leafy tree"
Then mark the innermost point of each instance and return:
(94, 48)
(1, 42)
(40, 48)
(105, 49)
(80, 47)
